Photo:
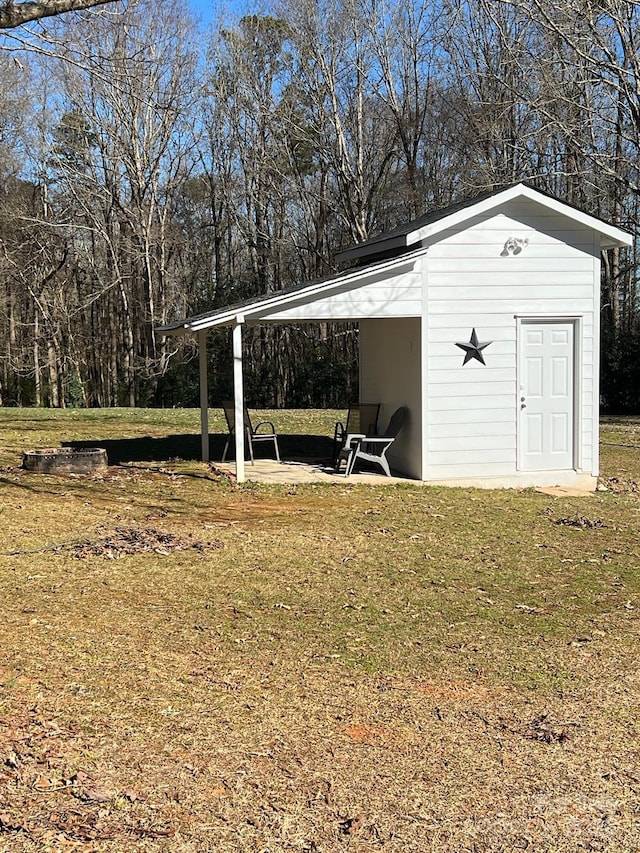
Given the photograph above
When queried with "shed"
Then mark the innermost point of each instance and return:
(482, 319)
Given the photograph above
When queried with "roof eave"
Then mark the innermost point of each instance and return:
(261, 310)
(371, 247)
(611, 236)
(170, 329)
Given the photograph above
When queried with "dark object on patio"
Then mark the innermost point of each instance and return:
(371, 448)
(362, 419)
(251, 433)
(65, 460)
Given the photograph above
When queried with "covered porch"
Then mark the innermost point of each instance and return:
(384, 298)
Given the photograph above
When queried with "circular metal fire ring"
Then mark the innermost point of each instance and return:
(65, 460)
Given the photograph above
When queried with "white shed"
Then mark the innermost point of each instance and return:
(482, 319)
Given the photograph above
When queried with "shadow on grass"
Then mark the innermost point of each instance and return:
(150, 449)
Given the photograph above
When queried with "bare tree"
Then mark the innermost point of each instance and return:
(17, 14)
(116, 155)
(582, 55)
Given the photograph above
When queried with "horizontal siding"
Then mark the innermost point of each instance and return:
(504, 402)
(522, 219)
(450, 418)
(483, 242)
(469, 470)
(473, 409)
(463, 379)
(441, 325)
(472, 389)
(478, 456)
(441, 364)
(587, 411)
(562, 305)
(516, 265)
(549, 290)
(481, 441)
(470, 429)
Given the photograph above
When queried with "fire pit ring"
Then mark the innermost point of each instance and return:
(65, 460)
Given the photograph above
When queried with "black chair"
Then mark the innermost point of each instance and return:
(362, 419)
(252, 434)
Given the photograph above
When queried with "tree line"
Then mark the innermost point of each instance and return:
(150, 169)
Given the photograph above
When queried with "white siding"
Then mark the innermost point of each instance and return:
(390, 373)
(376, 297)
(472, 410)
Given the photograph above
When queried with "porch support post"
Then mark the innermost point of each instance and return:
(238, 397)
(204, 395)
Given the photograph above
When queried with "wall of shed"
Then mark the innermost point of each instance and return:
(390, 373)
(472, 410)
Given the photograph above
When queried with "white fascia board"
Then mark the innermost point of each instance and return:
(276, 302)
(610, 235)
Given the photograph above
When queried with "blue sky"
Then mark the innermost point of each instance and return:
(206, 9)
(203, 8)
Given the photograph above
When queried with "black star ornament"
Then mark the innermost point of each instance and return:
(473, 349)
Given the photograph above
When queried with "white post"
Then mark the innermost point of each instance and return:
(238, 397)
(204, 395)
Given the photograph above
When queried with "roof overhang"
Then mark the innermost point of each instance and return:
(610, 235)
(258, 310)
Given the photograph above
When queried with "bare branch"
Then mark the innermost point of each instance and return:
(16, 14)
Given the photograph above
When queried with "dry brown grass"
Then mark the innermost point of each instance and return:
(191, 666)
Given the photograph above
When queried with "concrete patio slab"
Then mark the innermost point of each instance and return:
(303, 471)
(319, 471)
(565, 491)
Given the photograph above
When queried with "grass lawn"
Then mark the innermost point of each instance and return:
(191, 665)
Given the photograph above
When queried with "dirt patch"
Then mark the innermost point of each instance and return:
(363, 733)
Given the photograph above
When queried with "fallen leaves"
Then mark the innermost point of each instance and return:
(124, 541)
(582, 522)
(526, 608)
(621, 485)
(63, 805)
(542, 729)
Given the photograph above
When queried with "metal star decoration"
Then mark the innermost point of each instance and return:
(473, 349)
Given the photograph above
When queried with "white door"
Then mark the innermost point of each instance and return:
(547, 396)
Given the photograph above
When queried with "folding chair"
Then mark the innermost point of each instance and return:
(252, 434)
